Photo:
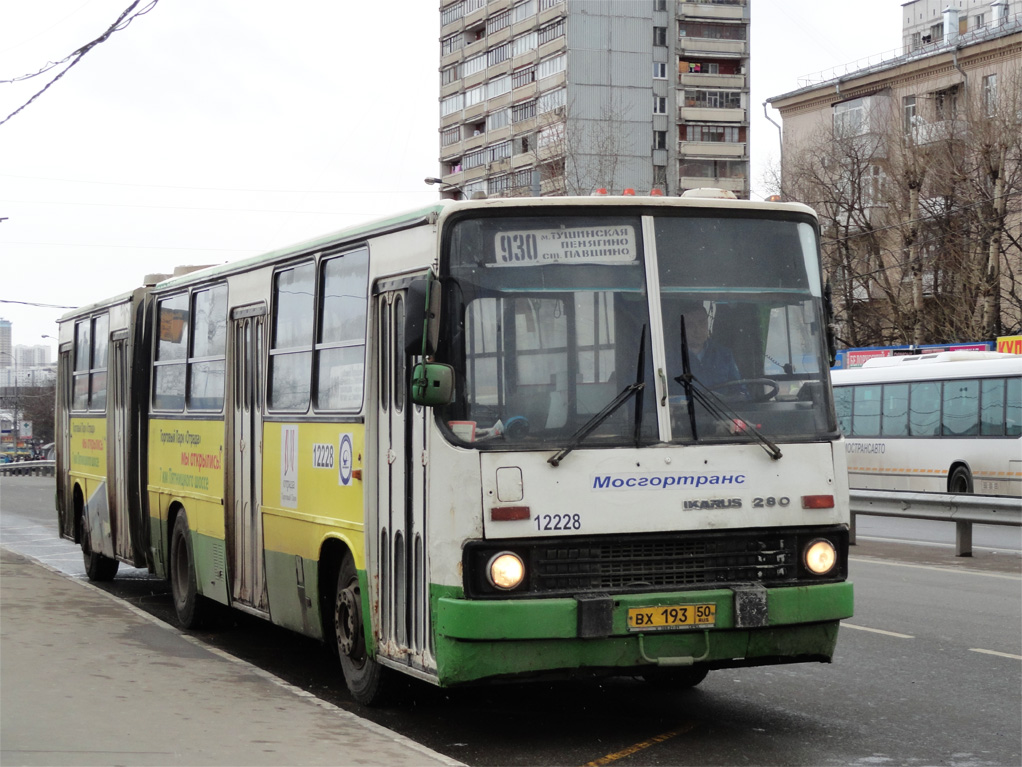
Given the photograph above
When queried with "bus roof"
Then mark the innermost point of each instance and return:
(445, 208)
(926, 367)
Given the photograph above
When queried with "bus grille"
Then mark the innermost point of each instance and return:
(623, 565)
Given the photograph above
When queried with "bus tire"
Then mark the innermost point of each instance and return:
(676, 678)
(97, 566)
(366, 679)
(191, 607)
(959, 481)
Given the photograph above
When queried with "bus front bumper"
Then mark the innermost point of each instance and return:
(752, 626)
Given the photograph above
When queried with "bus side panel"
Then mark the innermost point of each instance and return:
(186, 473)
(88, 473)
(311, 493)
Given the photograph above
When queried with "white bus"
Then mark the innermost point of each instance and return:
(477, 441)
(941, 423)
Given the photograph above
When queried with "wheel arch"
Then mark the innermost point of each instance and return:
(960, 463)
(331, 554)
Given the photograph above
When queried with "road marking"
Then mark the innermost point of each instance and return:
(609, 758)
(876, 631)
(870, 561)
(994, 652)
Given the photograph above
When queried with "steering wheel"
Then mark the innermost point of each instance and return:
(732, 390)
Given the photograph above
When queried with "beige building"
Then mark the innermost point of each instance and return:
(913, 164)
(569, 96)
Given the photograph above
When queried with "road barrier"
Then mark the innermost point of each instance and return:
(963, 510)
(28, 469)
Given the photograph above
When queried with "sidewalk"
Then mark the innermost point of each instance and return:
(88, 680)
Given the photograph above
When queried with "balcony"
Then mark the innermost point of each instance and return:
(705, 114)
(696, 10)
(706, 46)
(702, 80)
(712, 149)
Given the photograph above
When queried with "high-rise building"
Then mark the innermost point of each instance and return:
(6, 349)
(571, 96)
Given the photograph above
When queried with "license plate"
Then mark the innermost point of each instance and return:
(666, 617)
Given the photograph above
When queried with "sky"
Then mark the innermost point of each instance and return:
(212, 130)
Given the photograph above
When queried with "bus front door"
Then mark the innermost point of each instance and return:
(403, 628)
(245, 530)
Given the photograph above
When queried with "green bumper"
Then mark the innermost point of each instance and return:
(486, 638)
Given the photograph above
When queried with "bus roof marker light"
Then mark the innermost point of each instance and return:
(629, 192)
(654, 192)
(601, 192)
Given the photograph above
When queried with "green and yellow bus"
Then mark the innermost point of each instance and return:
(477, 441)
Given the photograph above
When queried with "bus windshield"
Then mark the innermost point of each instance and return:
(550, 320)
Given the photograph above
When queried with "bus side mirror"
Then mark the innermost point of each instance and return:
(432, 384)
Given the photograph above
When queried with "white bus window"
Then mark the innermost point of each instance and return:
(340, 347)
(209, 348)
(924, 409)
(991, 414)
(291, 349)
(895, 413)
(961, 408)
(843, 406)
(866, 411)
(83, 356)
(1013, 407)
(97, 374)
(171, 353)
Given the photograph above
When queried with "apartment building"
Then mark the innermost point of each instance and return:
(551, 97)
(914, 166)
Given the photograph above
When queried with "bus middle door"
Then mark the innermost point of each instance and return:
(401, 494)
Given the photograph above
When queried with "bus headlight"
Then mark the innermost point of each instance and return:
(820, 556)
(505, 571)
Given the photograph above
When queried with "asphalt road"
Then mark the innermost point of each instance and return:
(929, 670)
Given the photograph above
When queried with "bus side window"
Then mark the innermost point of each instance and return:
(866, 411)
(843, 406)
(961, 409)
(1013, 408)
(895, 415)
(924, 409)
(991, 413)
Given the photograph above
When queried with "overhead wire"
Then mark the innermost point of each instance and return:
(76, 56)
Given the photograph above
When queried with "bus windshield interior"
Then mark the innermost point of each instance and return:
(548, 324)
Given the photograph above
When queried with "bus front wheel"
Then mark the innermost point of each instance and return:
(960, 481)
(97, 566)
(191, 607)
(367, 680)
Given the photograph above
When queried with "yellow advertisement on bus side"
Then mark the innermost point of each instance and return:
(312, 486)
(88, 446)
(187, 457)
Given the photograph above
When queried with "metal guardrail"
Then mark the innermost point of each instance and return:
(963, 510)
(28, 469)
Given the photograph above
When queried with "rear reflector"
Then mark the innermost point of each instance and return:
(508, 513)
(817, 502)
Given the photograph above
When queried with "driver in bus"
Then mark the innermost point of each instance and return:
(711, 364)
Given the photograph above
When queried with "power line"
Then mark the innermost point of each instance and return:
(72, 59)
(40, 306)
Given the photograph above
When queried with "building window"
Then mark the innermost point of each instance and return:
(452, 44)
(551, 31)
(659, 5)
(551, 101)
(713, 99)
(660, 177)
(524, 111)
(498, 54)
(498, 22)
(850, 118)
(452, 13)
(728, 134)
(659, 105)
(659, 35)
(990, 95)
(498, 119)
(660, 139)
(551, 66)
(524, 44)
(522, 11)
(908, 113)
(659, 70)
(712, 31)
(712, 168)
(450, 136)
(523, 76)
(945, 103)
(451, 104)
(473, 65)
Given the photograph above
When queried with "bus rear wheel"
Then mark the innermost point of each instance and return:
(366, 679)
(97, 566)
(191, 607)
(960, 481)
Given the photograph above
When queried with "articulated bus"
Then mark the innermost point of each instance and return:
(474, 441)
(949, 422)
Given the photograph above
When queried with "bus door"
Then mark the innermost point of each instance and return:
(62, 443)
(401, 493)
(118, 422)
(244, 520)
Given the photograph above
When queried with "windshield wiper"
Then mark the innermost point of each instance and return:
(589, 426)
(695, 390)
